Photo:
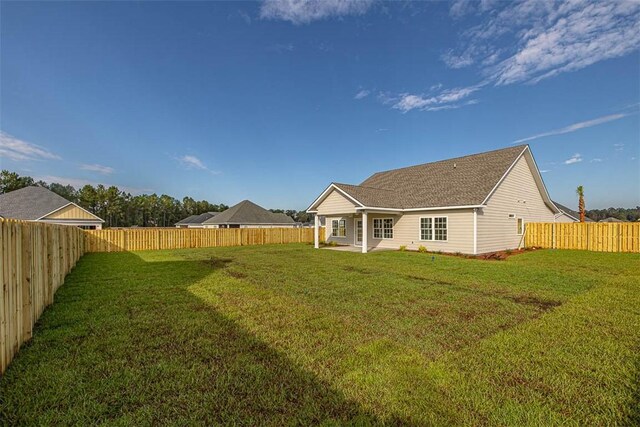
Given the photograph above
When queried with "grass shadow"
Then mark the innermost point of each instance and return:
(127, 343)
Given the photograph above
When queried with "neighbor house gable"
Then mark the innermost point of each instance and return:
(69, 212)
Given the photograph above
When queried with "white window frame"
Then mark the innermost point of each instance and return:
(519, 231)
(433, 228)
(339, 220)
(373, 228)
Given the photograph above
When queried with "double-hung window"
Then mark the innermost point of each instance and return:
(383, 228)
(434, 228)
(339, 228)
(520, 226)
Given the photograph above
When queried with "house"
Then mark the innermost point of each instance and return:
(568, 215)
(43, 205)
(195, 221)
(247, 214)
(473, 204)
(611, 219)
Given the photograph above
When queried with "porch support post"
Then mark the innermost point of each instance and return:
(364, 232)
(475, 231)
(316, 231)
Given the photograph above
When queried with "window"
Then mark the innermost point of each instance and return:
(434, 228)
(339, 228)
(383, 228)
(520, 226)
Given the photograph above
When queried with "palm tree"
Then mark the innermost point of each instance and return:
(580, 193)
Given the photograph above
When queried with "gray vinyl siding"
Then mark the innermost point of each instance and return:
(517, 194)
(336, 203)
(406, 231)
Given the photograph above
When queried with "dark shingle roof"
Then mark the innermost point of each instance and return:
(611, 219)
(573, 214)
(247, 212)
(462, 181)
(197, 219)
(30, 203)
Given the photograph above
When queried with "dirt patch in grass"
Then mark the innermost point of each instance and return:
(215, 262)
(532, 300)
(236, 274)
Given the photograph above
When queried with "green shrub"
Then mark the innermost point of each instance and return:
(422, 249)
(403, 248)
(508, 252)
(332, 243)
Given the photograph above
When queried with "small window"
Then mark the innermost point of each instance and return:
(339, 228)
(377, 228)
(434, 228)
(520, 226)
(383, 228)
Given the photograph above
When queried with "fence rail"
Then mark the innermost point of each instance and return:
(181, 238)
(36, 257)
(600, 237)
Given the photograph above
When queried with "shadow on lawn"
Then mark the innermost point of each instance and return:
(128, 342)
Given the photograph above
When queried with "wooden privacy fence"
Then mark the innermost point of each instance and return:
(591, 236)
(36, 257)
(141, 239)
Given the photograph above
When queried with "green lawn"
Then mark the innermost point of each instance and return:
(291, 335)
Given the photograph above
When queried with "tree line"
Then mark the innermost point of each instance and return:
(121, 209)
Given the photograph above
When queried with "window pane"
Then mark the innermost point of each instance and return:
(334, 227)
(440, 228)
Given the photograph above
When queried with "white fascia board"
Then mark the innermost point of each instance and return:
(326, 192)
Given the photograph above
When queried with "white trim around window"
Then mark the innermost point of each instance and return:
(435, 220)
(520, 226)
(339, 225)
(384, 227)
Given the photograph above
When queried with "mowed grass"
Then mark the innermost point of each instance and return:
(286, 334)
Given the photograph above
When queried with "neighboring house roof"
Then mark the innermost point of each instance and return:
(33, 203)
(247, 212)
(610, 219)
(462, 181)
(197, 219)
(186, 220)
(571, 213)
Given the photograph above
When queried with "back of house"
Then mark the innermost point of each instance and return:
(473, 204)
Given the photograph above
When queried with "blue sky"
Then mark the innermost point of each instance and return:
(271, 101)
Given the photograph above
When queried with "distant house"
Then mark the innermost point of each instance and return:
(473, 204)
(247, 214)
(568, 215)
(195, 221)
(610, 219)
(42, 205)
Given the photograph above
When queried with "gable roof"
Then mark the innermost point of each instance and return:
(247, 212)
(197, 219)
(33, 203)
(462, 181)
(571, 213)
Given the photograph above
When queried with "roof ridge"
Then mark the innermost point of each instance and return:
(523, 146)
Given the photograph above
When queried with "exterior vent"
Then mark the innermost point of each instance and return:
(512, 216)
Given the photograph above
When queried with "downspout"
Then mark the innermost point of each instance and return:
(475, 231)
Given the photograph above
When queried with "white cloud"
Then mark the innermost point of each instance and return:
(618, 147)
(574, 127)
(446, 99)
(547, 38)
(192, 162)
(362, 94)
(19, 150)
(245, 16)
(305, 11)
(545, 170)
(104, 170)
(596, 160)
(576, 158)
(79, 183)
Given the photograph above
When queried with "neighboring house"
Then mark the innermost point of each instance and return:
(195, 221)
(610, 219)
(568, 215)
(42, 205)
(473, 204)
(247, 214)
